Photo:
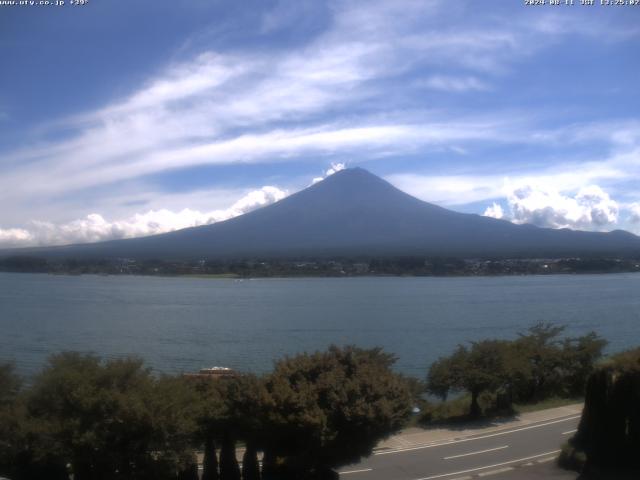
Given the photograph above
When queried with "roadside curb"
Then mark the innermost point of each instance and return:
(431, 437)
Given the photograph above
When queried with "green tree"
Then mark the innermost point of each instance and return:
(12, 423)
(477, 369)
(110, 419)
(10, 384)
(249, 404)
(231, 409)
(445, 374)
(19, 435)
(540, 346)
(331, 408)
(211, 417)
(579, 358)
(537, 365)
(210, 459)
(609, 430)
(555, 366)
(173, 411)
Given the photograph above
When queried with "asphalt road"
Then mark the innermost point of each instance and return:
(507, 454)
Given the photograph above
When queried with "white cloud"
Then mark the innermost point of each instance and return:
(449, 189)
(634, 211)
(276, 145)
(235, 107)
(335, 167)
(453, 84)
(494, 211)
(94, 227)
(556, 198)
(591, 208)
(15, 237)
(255, 199)
(182, 81)
(476, 185)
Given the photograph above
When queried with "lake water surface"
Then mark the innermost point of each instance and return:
(183, 324)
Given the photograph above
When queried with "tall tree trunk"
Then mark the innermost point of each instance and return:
(229, 468)
(250, 467)
(81, 471)
(210, 461)
(269, 470)
(475, 411)
(190, 471)
(51, 470)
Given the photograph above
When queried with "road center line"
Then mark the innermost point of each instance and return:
(355, 471)
(569, 432)
(495, 472)
(450, 442)
(476, 453)
(461, 472)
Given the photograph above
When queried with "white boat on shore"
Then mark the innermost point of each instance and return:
(213, 373)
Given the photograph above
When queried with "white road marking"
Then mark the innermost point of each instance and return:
(489, 466)
(355, 471)
(476, 453)
(545, 460)
(495, 472)
(451, 442)
(569, 432)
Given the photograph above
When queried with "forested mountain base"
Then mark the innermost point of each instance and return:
(314, 267)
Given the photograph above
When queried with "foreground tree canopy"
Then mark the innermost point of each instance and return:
(537, 365)
(332, 408)
(94, 418)
(113, 419)
(314, 412)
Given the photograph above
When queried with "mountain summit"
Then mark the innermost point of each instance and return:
(355, 213)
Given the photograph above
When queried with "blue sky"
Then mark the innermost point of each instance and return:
(121, 119)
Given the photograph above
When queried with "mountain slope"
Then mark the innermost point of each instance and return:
(355, 213)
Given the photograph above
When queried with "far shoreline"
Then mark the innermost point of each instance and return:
(231, 276)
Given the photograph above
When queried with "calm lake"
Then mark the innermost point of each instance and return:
(183, 324)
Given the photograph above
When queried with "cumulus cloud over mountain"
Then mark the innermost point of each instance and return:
(590, 208)
(94, 227)
(634, 210)
(335, 167)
